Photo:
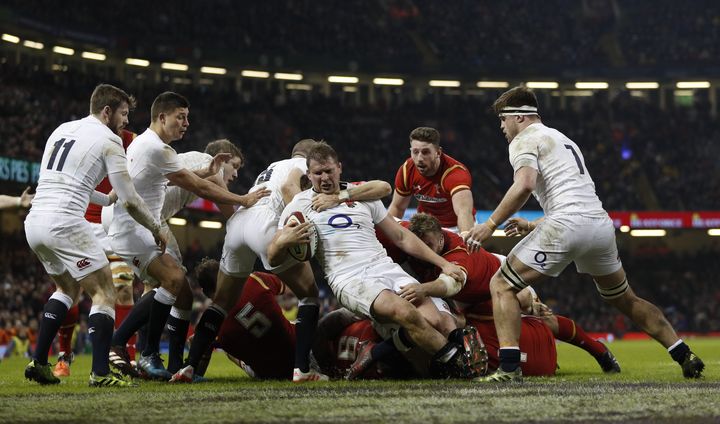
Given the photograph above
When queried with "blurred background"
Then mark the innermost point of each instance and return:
(633, 83)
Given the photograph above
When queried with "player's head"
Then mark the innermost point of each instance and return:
(324, 168)
(425, 150)
(206, 274)
(302, 147)
(517, 108)
(169, 116)
(111, 106)
(428, 229)
(230, 167)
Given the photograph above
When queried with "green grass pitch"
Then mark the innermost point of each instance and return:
(649, 389)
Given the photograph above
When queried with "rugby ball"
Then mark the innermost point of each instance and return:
(304, 251)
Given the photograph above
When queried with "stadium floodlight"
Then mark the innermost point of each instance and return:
(11, 38)
(493, 84)
(67, 51)
(693, 84)
(215, 225)
(645, 85)
(180, 222)
(714, 232)
(255, 74)
(551, 85)
(213, 70)
(350, 89)
(648, 233)
(93, 56)
(591, 85)
(174, 66)
(137, 62)
(388, 81)
(341, 79)
(33, 44)
(498, 233)
(624, 228)
(288, 76)
(444, 83)
(301, 87)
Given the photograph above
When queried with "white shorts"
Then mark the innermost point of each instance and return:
(102, 237)
(557, 241)
(249, 233)
(65, 245)
(358, 292)
(136, 247)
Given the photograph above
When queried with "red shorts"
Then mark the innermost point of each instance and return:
(537, 345)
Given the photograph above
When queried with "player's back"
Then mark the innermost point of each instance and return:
(73, 163)
(273, 178)
(175, 197)
(564, 185)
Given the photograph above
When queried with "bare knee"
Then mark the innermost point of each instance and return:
(124, 295)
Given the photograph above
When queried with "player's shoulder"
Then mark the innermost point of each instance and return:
(449, 163)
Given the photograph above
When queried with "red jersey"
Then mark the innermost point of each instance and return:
(256, 331)
(94, 211)
(344, 348)
(434, 194)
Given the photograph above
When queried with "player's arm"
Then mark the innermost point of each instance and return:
(291, 186)
(523, 185)
(443, 286)
(412, 245)
(520, 226)
(399, 205)
(207, 190)
(370, 190)
(286, 237)
(226, 210)
(462, 202)
(22, 201)
(214, 166)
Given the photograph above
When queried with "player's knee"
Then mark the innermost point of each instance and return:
(124, 295)
(407, 316)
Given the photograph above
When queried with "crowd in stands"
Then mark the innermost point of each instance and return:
(396, 35)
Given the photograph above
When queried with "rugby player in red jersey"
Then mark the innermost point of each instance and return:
(441, 184)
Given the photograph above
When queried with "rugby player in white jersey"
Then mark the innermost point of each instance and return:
(575, 228)
(360, 273)
(77, 157)
(176, 198)
(152, 164)
(249, 232)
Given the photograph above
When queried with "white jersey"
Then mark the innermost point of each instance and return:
(149, 160)
(176, 197)
(273, 178)
(346, 234)
(77, 156)
(564, 185)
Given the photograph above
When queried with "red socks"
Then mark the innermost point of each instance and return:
(67, 328)
(572, 333)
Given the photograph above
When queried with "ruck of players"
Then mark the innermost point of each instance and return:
(418, 296)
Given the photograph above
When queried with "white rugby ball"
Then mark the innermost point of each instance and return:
(304, 251)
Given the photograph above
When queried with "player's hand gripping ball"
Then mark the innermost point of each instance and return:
(306, 248)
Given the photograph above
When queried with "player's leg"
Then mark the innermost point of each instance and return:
(616, 291)
(301, 281)
(133, 322)
(123, 278)
(178, 324)
(65, 335)
(537, 345)
(568, 331)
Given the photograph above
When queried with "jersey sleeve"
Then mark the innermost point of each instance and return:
(525, 152)
(270, 282)
(403, 183)
(294, 205)
(166, 160)
(115, 160)
(377, 211)
(456, 178)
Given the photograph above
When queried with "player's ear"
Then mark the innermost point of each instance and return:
(107, 110)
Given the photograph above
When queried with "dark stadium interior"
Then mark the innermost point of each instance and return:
(644, 151)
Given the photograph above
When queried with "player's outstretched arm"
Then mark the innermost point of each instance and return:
(370, 190)
(22, 201)
(207, 190)
(399, 205)
(214, 166)
(226, 210)
(462, 203)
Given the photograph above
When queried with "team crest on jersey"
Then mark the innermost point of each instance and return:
(83, 263)
(540, 259)
(350, 204)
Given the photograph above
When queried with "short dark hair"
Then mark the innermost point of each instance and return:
(303, 146)
(167, 102)
(109, 95)
(422, 223)
(515, 97)
(206, 274)
(224, 145)
(321, 152)
(425, 134)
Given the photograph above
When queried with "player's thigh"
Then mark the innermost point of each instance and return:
(537, 348)
(300, 279)
(548, 249)
(137, 248)
(66, 247)
(165, 270)
(359, 295)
